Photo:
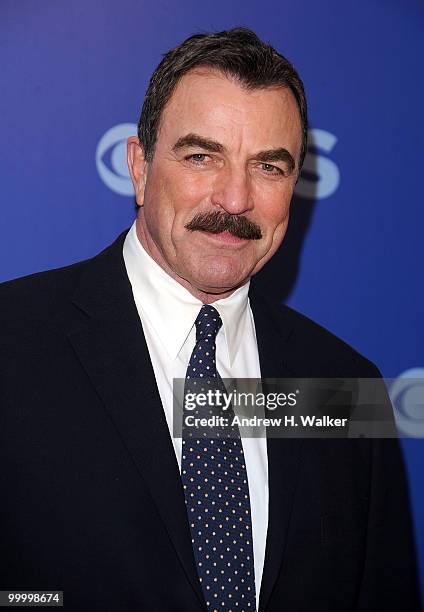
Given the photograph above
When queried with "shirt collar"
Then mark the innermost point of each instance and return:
(170, 309)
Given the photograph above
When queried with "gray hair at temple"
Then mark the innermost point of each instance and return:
(238, 53)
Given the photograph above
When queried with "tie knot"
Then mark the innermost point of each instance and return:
(208, 323)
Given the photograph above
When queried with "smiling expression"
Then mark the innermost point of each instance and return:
(220, 149)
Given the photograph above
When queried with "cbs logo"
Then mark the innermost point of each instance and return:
(111, 158)
(407, 395)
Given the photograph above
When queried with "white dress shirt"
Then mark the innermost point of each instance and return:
(167, 312)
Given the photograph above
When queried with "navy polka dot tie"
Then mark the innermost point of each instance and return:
(214, 478)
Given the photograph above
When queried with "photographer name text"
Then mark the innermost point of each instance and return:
(255, 421)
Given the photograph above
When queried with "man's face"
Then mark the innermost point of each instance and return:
(220, 149)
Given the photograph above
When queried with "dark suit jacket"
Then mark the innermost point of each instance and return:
(91, 497)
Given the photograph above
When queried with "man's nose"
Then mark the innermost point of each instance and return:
(232, 190)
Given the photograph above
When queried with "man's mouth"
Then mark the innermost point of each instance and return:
(225, 237)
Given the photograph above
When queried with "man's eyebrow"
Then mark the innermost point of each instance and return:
(271, 155)
(194, 140)
(274, 155)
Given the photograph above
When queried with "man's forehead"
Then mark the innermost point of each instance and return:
(214, 83)
(201, 74)
(206, 98)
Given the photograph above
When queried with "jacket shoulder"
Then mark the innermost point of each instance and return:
(42, 294)
(313, 348)
(36, 295)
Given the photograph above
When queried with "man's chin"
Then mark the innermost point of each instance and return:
(217, 286)
(214, 274)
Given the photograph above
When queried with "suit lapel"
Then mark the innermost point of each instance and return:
(111, 347)
(283, 455)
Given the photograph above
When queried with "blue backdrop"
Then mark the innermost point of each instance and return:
(73, 76)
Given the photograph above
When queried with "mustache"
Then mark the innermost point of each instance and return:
(220, 221)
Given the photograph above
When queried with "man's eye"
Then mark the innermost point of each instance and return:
(270, 169)
(197, 157)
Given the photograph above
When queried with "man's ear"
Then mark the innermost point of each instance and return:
(137, 166)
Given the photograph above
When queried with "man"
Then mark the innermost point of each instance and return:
(100, 500)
